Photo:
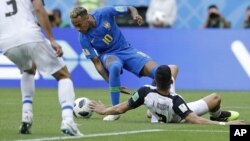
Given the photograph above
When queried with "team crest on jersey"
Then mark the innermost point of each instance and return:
(106, 25)
(86, 52)
(120, 8)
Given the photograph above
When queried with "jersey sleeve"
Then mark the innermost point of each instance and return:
(180, 107)
(88, 51)
(138, 98)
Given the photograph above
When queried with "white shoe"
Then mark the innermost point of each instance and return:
(111, 117)
(69, 127)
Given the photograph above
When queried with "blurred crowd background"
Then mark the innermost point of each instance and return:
(178, 14)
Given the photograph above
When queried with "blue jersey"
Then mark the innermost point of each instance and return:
(106, 37)
(107, 40)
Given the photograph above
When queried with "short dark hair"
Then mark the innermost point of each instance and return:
(163, 77)
(78, 11)
(58, 11)
(212, 6)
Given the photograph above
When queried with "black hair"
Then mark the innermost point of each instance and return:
(58, 11)
(212, 6)
(163, 77)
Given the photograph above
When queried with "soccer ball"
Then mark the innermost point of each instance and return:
(81, 108)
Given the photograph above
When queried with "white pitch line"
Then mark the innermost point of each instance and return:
(123, 133)
(94, 135)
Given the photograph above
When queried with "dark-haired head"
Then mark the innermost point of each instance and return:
(212, 6)
(58, 12)
(163, 77)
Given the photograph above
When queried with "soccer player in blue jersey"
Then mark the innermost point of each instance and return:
(103, 42)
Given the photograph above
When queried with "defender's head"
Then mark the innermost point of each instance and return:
(163, 77)
(80, 19)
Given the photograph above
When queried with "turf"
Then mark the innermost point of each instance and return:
(47, 119)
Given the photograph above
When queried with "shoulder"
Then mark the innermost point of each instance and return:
(103, 10)
(146, 89)
(112, 10)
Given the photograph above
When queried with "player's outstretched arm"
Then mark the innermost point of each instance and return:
(195, 119)
(100, 108)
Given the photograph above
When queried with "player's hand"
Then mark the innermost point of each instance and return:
(236, 122)
(125, 90)
(97, 107)
(57, 48)
(138, 19)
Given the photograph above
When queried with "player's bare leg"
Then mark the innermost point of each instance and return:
(213, 102)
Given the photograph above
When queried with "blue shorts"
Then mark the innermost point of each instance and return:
(131, 59)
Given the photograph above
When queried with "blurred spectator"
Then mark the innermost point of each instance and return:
(51, 18)
(161, 13)
(90, 5)
(58, 22)
(215, 19)
(247, 18)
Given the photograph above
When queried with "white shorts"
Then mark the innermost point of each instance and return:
(199, 107)
(39, 53)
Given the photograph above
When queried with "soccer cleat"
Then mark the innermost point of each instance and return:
(226, 116)
(25, 128)
(111, 117)
(69, 127)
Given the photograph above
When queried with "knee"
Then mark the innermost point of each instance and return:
(115, 68)
(216, 98)
(174, 70)
(62, 74)
(32, 71)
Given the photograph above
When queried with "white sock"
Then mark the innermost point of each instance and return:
(66, 96)
(28, 90)
(172, 87)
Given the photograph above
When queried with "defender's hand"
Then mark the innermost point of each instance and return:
(57, 48)
(97, 107)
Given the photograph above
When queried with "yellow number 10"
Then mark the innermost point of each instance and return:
(107, 39)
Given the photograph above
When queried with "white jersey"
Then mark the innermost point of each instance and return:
(171, 108)
(18, 24)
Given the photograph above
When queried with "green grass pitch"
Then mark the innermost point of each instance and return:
(132, 126)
